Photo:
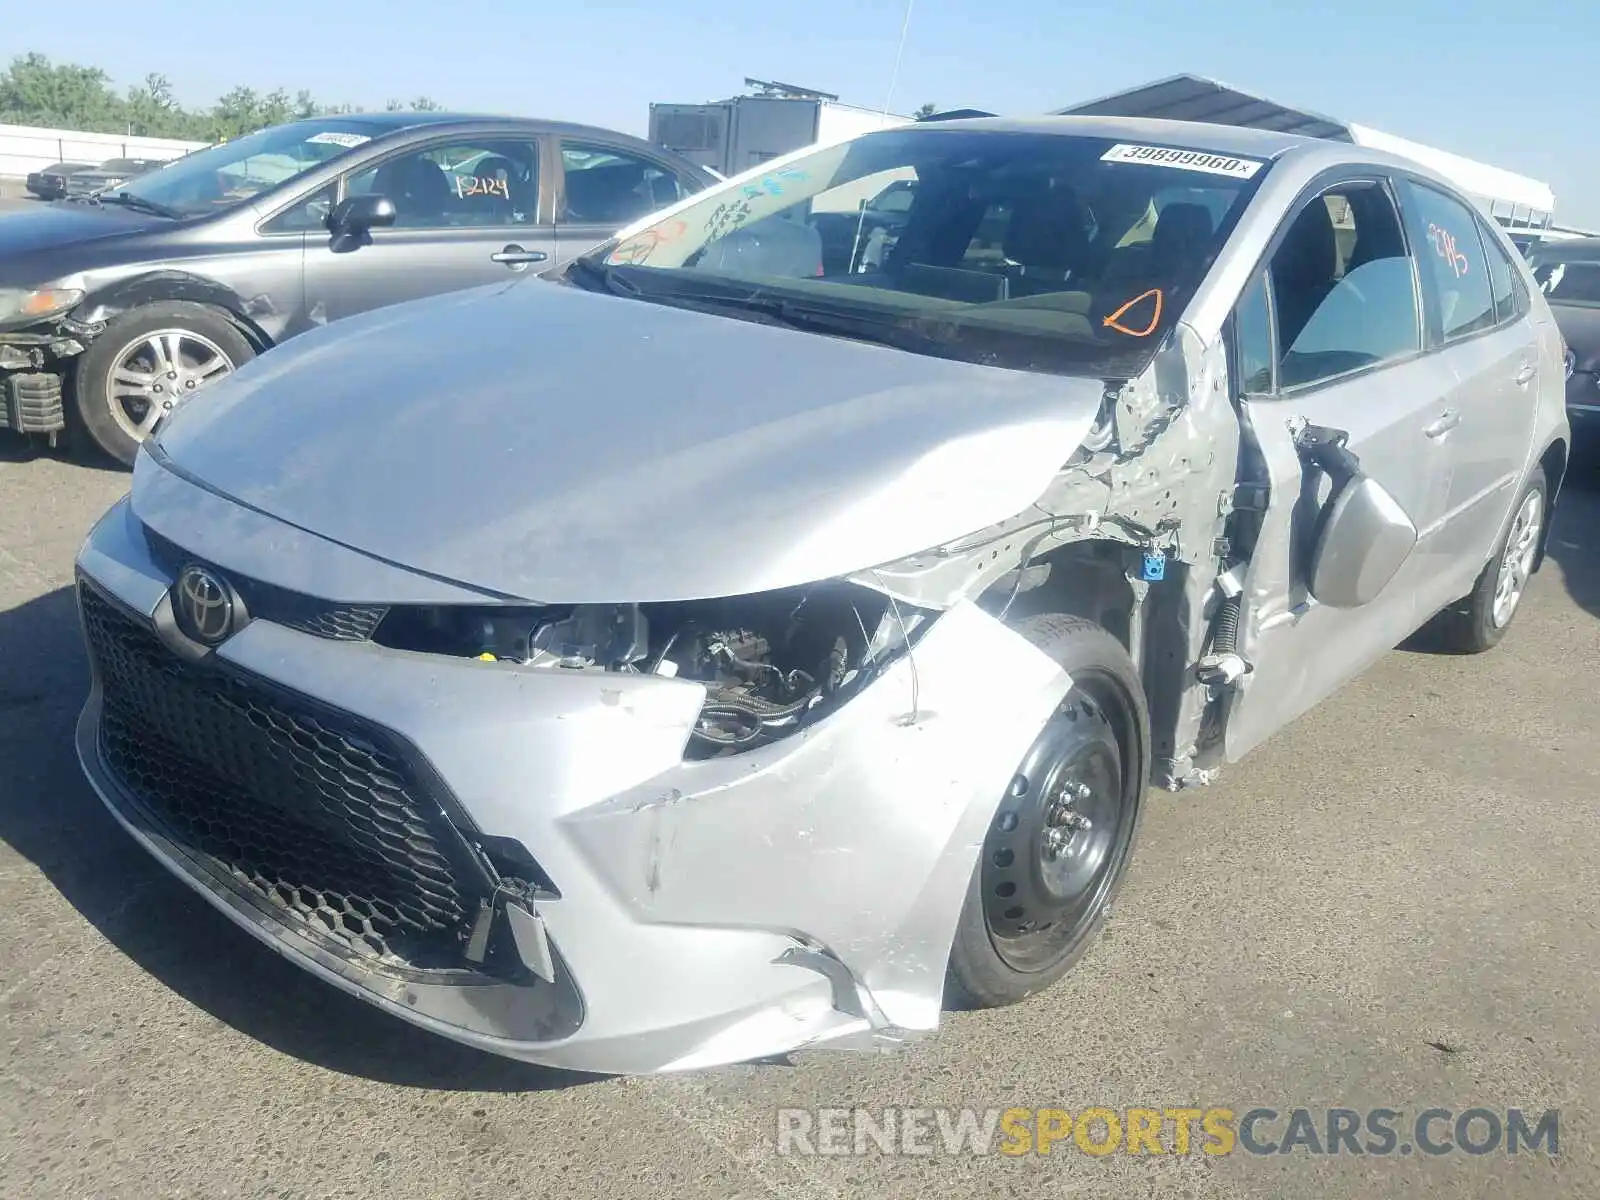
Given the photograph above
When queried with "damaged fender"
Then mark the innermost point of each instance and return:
(868, 861)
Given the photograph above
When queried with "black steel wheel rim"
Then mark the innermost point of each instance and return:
(1063, 829)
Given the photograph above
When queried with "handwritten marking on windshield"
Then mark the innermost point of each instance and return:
(636, 250)
(772, 185)
(480, 185)
(1114, 321)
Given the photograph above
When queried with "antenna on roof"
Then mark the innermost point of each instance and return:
(894, 76)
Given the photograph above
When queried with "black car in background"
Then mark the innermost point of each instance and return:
(88, 180)
(115, 306)
(50, 182)
(1569, 274)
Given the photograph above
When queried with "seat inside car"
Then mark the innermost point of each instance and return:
(1304, 270)
(1181, 240)
(1046, 241)
(501, 204)
(606, 195)
(418, 188)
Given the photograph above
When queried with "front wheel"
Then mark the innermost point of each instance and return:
(145, 363)
(1063, 831)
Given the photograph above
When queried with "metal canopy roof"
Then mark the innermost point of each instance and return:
(1511, 198)
(1194, 98)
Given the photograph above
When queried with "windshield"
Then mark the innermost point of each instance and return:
(232, 172)
(1570, 282)
(1027, 250)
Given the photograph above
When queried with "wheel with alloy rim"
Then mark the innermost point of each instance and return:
(1516, 562)
(1063, 830)
(1478, 621)
(145, 364)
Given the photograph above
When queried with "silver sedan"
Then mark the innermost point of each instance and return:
(764, 644)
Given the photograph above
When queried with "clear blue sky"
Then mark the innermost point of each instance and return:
(1510, 82)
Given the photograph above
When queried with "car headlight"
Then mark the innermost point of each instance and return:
(24, 306)
(771, 663)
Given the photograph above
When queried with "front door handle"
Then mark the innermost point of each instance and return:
(1526, 374)
(1446, 421)
(515, 256)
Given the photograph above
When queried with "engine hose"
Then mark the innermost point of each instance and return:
(1225, 636)
(752, 719)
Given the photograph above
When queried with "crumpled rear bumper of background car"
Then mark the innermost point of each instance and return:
(803, 893)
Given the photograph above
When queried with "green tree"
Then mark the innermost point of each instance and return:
(36, 91)
(925, 111)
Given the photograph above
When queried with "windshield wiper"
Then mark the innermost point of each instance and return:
(596, 271)
(140, 204)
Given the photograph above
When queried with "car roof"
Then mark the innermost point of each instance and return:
(383, 124)
(1182, 135)
(1571, 250)
(397, 121)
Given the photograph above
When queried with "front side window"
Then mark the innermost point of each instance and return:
(1454, 271)
(1033, 251)
(232, 173)
(1343, 287)
(613, 187)
(474, 184)
(304, 215)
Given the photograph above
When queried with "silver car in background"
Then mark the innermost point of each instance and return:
(762, 644)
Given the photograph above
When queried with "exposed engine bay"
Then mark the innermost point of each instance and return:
(771, 663)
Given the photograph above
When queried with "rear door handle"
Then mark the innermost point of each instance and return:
(1526, 374)
(516, 256)
(1446, 421)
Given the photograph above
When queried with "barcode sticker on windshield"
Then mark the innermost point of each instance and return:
(1184, 160)
(347, 140)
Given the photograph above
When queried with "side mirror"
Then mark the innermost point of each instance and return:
(355, 215)
(1363, 536)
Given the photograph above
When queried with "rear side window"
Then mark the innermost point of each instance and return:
(1509, 300)
(1455, 275)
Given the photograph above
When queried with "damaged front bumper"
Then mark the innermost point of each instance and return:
(33, 367)
(802, 893)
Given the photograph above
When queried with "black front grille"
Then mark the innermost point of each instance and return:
(269, 602)
(328, 818)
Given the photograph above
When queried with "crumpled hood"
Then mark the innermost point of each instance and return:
(563, 446)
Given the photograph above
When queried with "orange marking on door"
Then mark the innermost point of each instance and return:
(1114, 321)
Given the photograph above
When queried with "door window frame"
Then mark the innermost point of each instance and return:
(378, 162)
(1313, 192)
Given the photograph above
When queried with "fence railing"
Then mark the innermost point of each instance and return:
(25, 148)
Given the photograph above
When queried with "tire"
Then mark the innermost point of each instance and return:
(1033, 908)
(1479, 620)
(208, 346)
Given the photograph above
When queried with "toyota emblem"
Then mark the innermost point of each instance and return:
(205, 604)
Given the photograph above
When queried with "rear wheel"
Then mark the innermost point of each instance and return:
(144, 363)
(1063, 831)
(1478, 622)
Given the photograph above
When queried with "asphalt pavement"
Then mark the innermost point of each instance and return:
(1391, 904)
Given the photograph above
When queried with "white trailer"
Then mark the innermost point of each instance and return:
(730, 136)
